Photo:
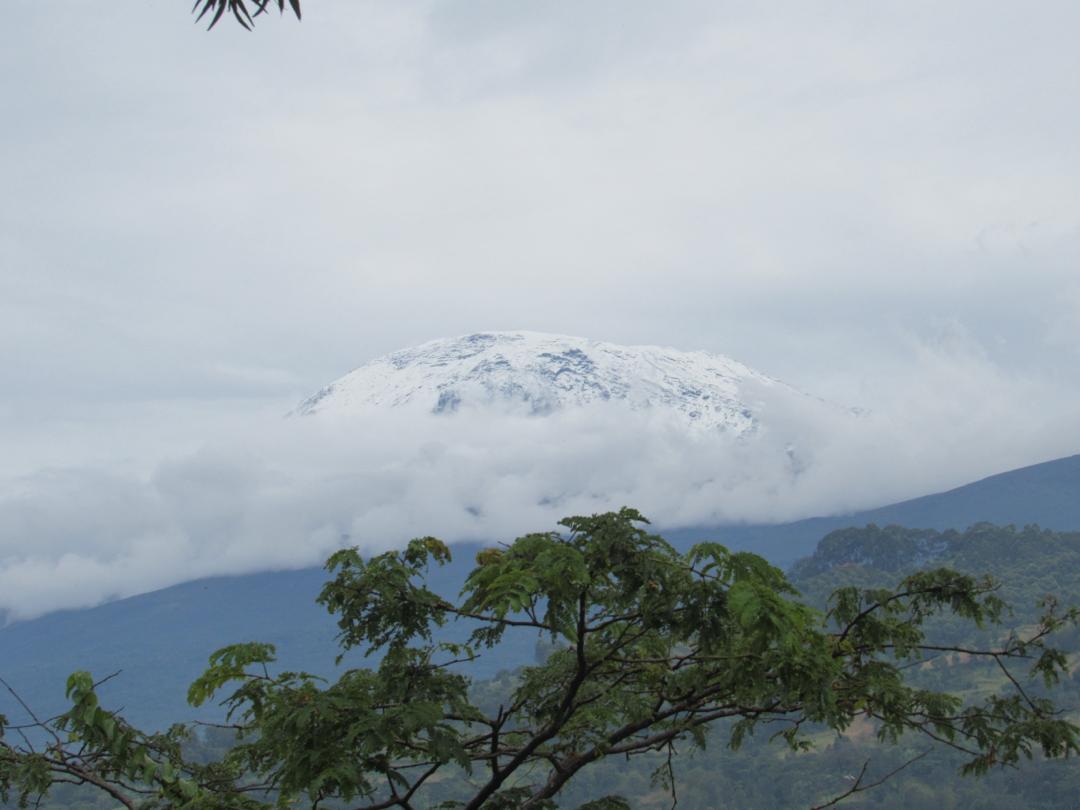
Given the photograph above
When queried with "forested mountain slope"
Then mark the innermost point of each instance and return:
(1029, 562)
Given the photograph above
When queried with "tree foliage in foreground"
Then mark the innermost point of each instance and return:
(650, 648)
(216, 9)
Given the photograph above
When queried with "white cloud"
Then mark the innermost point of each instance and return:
(265, 492)
(257, 376)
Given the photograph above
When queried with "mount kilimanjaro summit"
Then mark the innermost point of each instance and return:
(540, 374)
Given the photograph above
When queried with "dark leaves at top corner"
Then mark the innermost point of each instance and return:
(244, 15)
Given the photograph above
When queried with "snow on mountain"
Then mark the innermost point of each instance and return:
(478, 438)
(542, 373)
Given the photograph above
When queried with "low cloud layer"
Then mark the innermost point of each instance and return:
(283, 493)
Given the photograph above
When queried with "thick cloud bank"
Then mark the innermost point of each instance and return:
(283, 493)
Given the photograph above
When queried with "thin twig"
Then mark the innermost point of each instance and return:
(858, 786)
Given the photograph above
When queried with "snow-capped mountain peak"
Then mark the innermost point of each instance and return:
(543, 373)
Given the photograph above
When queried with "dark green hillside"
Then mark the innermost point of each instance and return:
(1029, 563)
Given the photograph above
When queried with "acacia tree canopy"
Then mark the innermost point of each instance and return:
(245, 11)
(651, 647)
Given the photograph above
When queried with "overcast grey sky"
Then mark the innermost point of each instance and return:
(876, 202)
